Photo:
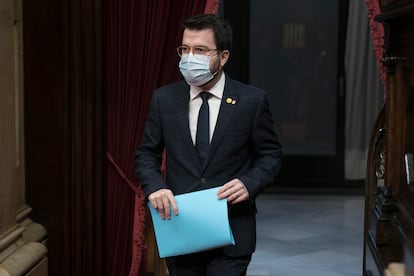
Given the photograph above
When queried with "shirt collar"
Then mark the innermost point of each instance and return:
(216, 90)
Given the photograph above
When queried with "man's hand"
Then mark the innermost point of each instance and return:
(161, 201)
(234, 191)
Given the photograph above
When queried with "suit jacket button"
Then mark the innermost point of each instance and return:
(203, 181)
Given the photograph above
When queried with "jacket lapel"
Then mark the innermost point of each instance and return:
(228, 106)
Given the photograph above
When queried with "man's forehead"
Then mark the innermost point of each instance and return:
(199, 34)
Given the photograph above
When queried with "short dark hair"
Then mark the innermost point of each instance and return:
(223, 34)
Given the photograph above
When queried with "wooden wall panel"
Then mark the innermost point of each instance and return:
(64, 130)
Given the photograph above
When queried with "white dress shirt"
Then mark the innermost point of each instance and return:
(214, 105)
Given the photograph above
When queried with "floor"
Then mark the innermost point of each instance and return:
(308, 235)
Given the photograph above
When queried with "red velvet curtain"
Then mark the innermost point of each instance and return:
(141, 37)
(212, 6)
(377, 33)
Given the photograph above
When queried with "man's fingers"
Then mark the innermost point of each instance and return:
(162, 200)
(166, 206)
(171, 203)
(174, 206)
(234, 191)
(234, 197)
(226, 190)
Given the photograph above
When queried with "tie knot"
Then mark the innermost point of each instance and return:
(205, 95)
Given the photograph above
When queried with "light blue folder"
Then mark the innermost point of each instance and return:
(202, 223)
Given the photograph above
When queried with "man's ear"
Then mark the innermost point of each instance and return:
(225, 54)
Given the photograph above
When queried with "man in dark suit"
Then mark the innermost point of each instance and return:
(239, 151)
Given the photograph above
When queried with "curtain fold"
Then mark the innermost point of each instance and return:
(364, 91)
(377, 34)
(140, 42)
(212, 6)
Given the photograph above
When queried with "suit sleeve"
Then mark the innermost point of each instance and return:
(267, 152)
(148, 157)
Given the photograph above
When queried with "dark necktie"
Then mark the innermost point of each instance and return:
(203, 128)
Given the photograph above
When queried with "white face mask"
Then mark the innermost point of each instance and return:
(196, 69)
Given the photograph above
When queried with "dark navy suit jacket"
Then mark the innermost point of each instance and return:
(244, 146)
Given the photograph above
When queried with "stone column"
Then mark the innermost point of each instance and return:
(21, 247)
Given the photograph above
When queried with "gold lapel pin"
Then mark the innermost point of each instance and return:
(230, 101)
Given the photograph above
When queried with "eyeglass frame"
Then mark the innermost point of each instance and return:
(191, 50)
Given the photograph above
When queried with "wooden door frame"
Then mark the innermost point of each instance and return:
(323, 172)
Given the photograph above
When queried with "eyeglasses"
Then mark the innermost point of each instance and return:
(184, 51)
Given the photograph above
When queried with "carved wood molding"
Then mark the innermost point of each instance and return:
(389, 222)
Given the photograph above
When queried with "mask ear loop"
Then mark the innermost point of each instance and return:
(219, 66)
